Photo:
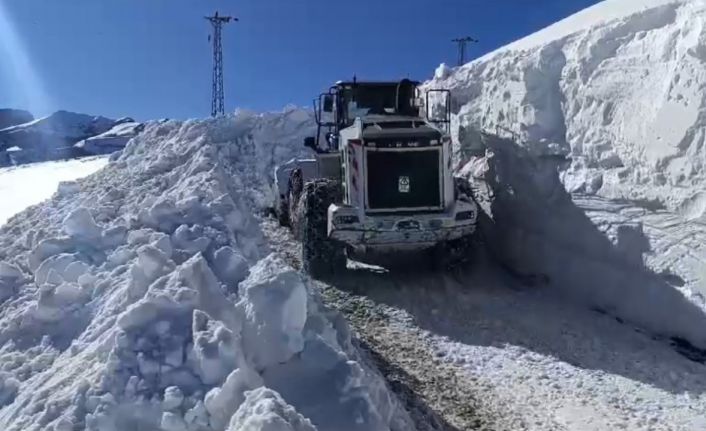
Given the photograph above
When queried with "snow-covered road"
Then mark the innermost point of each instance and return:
(483, 350)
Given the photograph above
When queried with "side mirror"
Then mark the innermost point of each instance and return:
(310, 142)
(328, 103)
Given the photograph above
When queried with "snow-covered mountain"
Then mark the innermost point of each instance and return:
(54, 136)
(13, 117)
(113, 140)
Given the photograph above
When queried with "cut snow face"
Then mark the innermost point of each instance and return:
(145, 297)
(612, 99)
(621, 94)
(27, 185)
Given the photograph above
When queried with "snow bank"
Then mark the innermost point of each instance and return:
(618, 92)
(618, 87)
(152, 299)
(540, 233)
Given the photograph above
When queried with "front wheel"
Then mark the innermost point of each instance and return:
(321, 256)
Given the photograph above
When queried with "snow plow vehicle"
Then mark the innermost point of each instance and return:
(380, 180)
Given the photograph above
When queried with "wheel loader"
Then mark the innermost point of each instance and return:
(380, 179)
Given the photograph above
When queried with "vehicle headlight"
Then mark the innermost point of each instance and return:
(465, 215)
(345, 220)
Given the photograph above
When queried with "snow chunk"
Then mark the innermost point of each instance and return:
(215, 348)
(275, 305)
(442, 72)
(190, 239)
(48, 248)
(173, 422)
(197, 417)
(80, 225)
(9, 271)
(9, 386)
(265, 410)
(151, 264)
(230, 266)
(223, 402)
(173, 397)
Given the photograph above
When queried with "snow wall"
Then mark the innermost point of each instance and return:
(145, 297)
(609, 106)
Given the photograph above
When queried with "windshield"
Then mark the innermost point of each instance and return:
(378, 99)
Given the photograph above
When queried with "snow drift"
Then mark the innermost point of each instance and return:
(618, 91)
(145, 297)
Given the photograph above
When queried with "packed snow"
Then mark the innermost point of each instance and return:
(146, 297)
(612, 99)
(579, 89)
(26, 185)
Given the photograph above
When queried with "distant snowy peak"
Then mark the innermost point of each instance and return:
(63, 123)
(55, 137)
(112, 140)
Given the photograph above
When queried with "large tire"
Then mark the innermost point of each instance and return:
(321, 256)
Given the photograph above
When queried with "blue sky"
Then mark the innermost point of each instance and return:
(151, 58)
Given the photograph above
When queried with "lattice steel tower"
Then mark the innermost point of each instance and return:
(218, 101)
(462, 43)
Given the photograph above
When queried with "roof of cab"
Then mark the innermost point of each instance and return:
(373, 83)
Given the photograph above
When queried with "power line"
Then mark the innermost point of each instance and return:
(218, 99)
(462, 43)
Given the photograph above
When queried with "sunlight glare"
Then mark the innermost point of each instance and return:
(25, 86)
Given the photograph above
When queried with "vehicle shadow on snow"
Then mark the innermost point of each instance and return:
(592, 303)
